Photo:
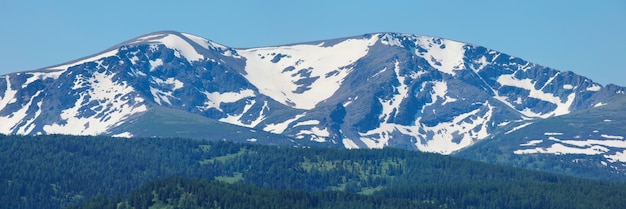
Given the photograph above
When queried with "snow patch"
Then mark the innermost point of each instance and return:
(560, 149)
(594, 87)
(156, 63)
(179, 45)
(161, 96)
(208, 44)
(215, 99)
(123, 135)
(531, 143)
(587, 147)
(307, 123)
(568, 86)
(350, 100)
(617, 157)
(469, 126)
(236, 118)
(317, 73)
(349, 144)
(9, 97)
(279, 128)
(173, 82)
(590, 142)
(41, 76)
(599, 104)
(552, 134)
(528, 84)
(518, 128)
(444, 55)
(28, 127)
(611, 137)
(19, 116)
(316, 134)
(114, 107)
(389, 106)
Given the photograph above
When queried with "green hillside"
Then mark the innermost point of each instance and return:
(166, 122)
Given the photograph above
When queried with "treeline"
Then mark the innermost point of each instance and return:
(56, 171)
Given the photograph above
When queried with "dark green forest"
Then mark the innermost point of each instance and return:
(199, 193)
(58, 171)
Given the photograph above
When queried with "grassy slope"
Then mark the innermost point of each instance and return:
(165, 122)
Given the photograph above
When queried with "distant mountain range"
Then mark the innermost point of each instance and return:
(370, 91)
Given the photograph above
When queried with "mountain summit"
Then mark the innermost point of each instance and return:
(370, 91)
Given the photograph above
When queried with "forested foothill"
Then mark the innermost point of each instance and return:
(57, 171)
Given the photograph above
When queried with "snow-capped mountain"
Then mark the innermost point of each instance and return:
(370, 91)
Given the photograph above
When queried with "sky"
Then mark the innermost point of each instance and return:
(586, 37)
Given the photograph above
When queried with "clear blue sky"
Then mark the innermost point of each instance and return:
(587, 37)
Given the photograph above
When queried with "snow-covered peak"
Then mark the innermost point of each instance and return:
(186, 45)
(372, 90)
(177, 41)
(206, 43)
(443, 54)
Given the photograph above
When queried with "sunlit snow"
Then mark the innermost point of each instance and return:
(172, 82)
(316, 134)
(9, 97)
(154, 64)
(617, 157)
(123, 135)
(215, 99)
(552, 134)
(587, 147)
(595, 87)
(319, 62)
(175, 42)
(444, 55)
(528, 84)
(18, 116)
(518, 128)
(236, 118)
(469, 126)
(611, 137)
(307, 123)
(393, 104)
(279, 128)
(349, 144)
(103, 90)
(205, 42)
(599, 104)
(531, 143)
(560, 149)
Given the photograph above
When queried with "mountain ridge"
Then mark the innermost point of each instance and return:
(366, 91)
